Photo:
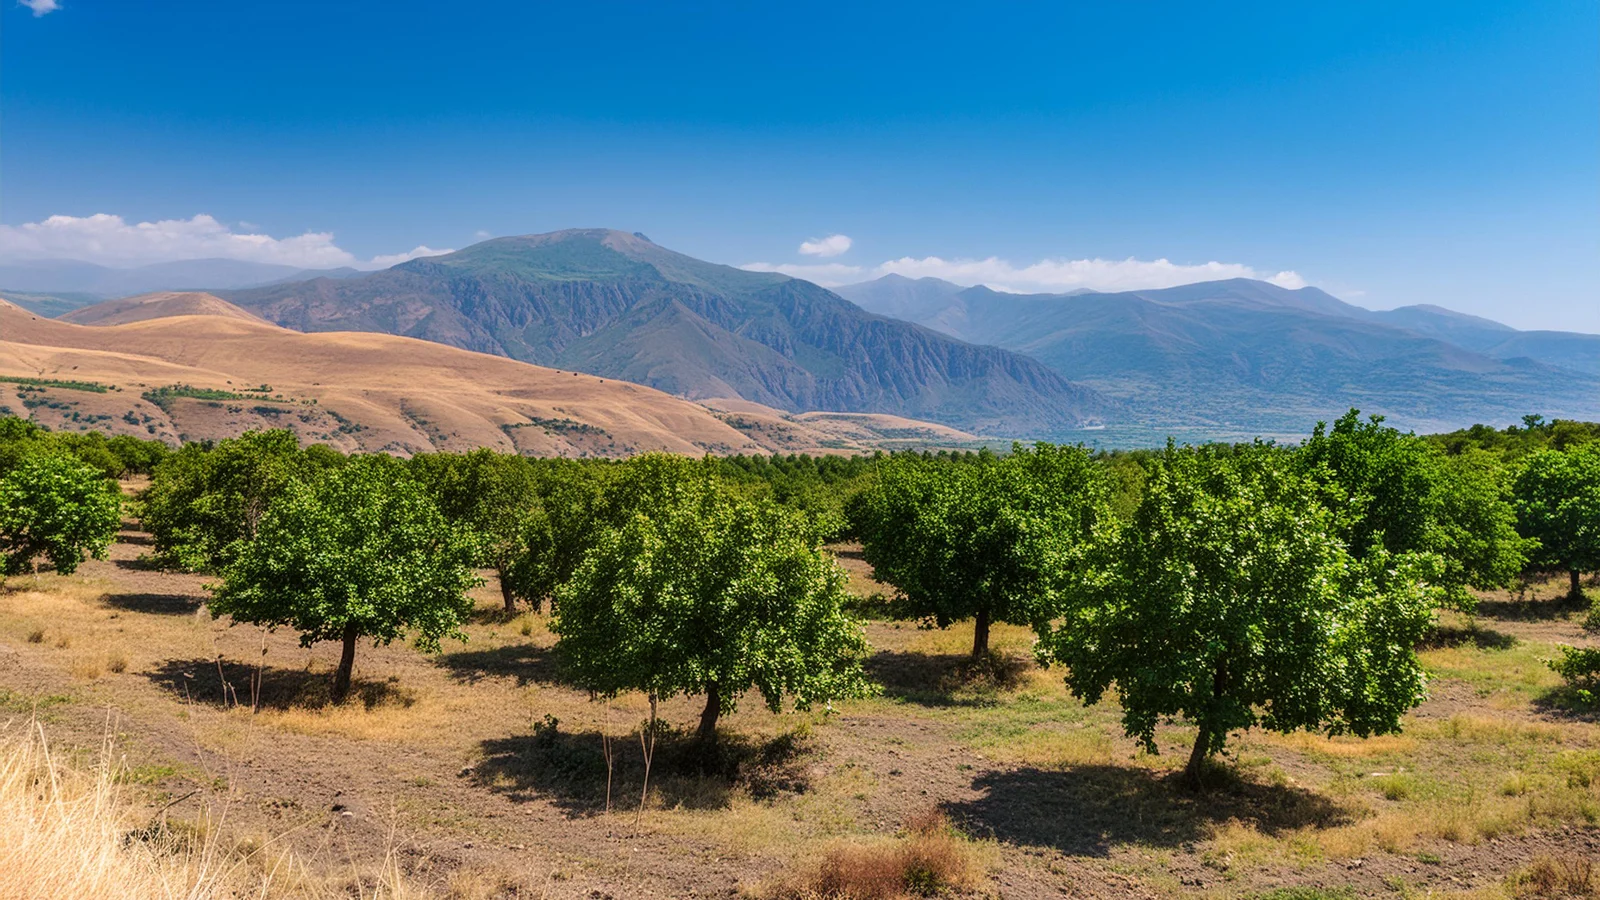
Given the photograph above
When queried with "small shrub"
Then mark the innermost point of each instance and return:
(36, 636)
(117, 662)
(63, 642)
(1580, 666)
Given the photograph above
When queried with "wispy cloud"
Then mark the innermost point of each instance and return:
(1055, 275)
(110, 240)
(825, 274)
(40, 7)
(395, 259)
(832, 245)
(1044, 276)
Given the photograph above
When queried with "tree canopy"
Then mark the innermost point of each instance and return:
(984, 540)
(359, 551)
(56, 506)
(202, 501)
(1395, 493)
(1558, 504)
(698, 592)
(1229, 601)
(493, 495)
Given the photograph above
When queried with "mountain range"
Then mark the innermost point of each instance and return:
(1240, 355)
(1228, 359)
(617, 305)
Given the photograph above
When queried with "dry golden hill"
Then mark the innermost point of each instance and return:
(212, 376)
(161, 304)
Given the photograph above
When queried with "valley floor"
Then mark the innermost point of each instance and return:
(477, 774)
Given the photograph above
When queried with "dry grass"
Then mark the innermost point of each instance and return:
(930, 858)
(1557, 876)
(67, 831)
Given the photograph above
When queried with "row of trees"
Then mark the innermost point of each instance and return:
(1230, 586)
(1248, 585)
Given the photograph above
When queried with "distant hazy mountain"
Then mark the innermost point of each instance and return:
(1250, 354)
(614, 304)
(66, 277)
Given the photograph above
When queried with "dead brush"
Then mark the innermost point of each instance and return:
(929, 858)
(1557, 877)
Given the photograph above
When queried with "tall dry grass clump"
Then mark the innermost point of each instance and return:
(930, 858)
(65, 832)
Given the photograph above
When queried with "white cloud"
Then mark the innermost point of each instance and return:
(395, 259)
(482, 235)
(1044, 276)
(1057, 275)
(832, 245)
(40, 7)
(825, 274)
(109, 240)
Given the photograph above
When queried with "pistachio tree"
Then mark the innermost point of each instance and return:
(1229, 601)
(493, 495)
(699, 593)
(359, 552)
(982, 540)
(1392, 492)
(1558, 505)
(56, 506)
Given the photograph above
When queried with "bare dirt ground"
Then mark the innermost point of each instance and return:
(488, 777)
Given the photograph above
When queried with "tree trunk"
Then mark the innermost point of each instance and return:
(1577, 589)
(1207, 741)
(505, 593)
(707, 734)
(1197, 758)
(347, 663)
(980, 634)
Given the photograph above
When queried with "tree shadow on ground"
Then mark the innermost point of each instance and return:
(569, 769)
(1568, 703)
(1560, 606)
(1088, 810)
(139, 538)
(227, 684)
(1463, 635)
(156, 604)
(524, 662)
(946, 679)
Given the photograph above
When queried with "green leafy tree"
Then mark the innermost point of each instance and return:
(1394, 493)
(361, 551)
(56, 506)
(494, 495)
(203, 502)
(981, 540)
(1229, 601)
(697, 592)
(1558, 504)
(562, 525)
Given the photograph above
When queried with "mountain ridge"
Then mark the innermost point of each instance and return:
(1247, 353)
(615, 304)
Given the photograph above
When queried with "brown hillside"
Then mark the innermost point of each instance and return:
(355, 391)
(162, 304)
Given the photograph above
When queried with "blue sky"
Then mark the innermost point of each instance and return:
(1390, 152)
